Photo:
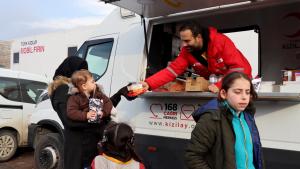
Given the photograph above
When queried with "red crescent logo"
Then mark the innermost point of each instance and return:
(293, 15)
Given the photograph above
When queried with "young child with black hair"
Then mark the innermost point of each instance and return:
(117, 149)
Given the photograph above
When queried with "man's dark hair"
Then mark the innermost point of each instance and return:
(194, 27)
(197, 29)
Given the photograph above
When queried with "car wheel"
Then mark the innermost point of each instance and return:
(48, 153)
(8, 145)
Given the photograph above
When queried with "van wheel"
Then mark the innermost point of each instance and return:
(48, 153)
(8, 145)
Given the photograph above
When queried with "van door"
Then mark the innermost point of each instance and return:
(100, 54)
(11, 108)
(30, 92)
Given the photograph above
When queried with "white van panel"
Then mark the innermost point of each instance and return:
(11, 117)
(131, 63)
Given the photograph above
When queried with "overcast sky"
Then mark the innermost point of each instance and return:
(24, 18)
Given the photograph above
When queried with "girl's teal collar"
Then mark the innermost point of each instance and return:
(234, 113)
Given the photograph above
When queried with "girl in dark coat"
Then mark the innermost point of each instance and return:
(226, 136)
(75, 132)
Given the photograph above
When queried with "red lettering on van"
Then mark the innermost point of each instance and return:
(26, 50)
(39, 49)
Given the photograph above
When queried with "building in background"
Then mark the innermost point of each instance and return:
(5, 48)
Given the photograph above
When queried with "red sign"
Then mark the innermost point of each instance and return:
(31, 47)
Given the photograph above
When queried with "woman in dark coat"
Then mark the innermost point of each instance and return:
(77, 133)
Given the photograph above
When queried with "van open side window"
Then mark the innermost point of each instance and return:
(165, 46)
(247, 40)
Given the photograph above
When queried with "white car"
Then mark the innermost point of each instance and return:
(19, 92)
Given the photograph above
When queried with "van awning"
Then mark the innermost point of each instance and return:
(155, 8)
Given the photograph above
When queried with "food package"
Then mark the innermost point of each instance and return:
(176, 86)
(96, 106)
(198, 84)
(135, 89)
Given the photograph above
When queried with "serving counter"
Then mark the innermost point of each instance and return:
(274, 96)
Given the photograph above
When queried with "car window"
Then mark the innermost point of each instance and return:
(31, 90)
(9, 89)
(98, 58)
(43, 96)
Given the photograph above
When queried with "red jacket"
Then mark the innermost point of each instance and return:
(222, 57)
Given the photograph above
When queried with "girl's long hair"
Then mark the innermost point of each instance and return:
(227, 82)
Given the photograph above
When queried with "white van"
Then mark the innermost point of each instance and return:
(19, 92)
(129, 48)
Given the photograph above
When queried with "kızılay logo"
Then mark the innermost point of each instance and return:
(186, 112)
(156, 109)
(292, 28)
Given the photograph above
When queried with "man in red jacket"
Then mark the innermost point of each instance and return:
(207, 51)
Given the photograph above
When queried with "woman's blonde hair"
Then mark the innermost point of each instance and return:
(59, 80)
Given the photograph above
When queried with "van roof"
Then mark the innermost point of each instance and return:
(22, 75)
(159, 8)
(154, 8)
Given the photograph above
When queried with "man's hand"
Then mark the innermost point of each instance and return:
(145, 85)
(213, 88)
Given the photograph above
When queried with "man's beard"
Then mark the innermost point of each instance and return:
(191, 48)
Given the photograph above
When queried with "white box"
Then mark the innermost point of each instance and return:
(266, 86)
(290, 88)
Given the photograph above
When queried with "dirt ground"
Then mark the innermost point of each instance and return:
(23, 159)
